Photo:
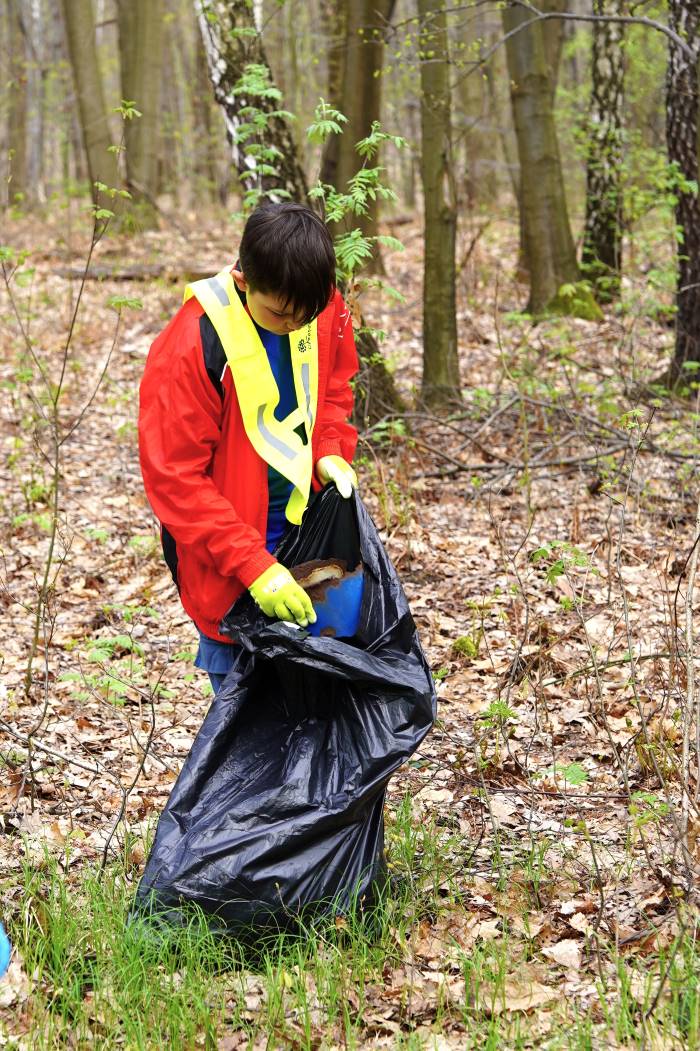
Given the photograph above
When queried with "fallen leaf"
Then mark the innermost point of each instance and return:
(502, 809)
(580, 923)
(233, 1041)
(14, 984)
(567, 953)
(527, 926)
(519, 994)
(435, 795)
(488, 930)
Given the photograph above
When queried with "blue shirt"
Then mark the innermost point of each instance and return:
(217, 657)
(279, 488)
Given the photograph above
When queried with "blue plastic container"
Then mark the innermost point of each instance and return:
(338, 613)
(5, 951)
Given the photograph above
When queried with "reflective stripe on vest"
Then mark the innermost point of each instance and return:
(276, 441)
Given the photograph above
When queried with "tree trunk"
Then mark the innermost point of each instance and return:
(553, 39)
(409, 155)
(682, 140)
(229, 53)
(34, 25)
(335, 20)
(293, 92)
(602, 239)
(80, 34)
(496, 73)
(205, 159)
(356, 67)
(472, 116)
(549, 247)
(375, 390)
(17, 109)
(141, 61)
(179, 61)
(440, 357)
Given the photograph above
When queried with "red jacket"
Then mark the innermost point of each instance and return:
(203, 478)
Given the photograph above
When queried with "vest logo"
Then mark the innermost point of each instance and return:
(305, 342)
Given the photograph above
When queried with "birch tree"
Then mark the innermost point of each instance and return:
(235, 54)
(17, 99)
(682, 141)
(237, 58)
(602, 240)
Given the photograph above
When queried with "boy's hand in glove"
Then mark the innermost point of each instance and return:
(336, 469)
(278, 595)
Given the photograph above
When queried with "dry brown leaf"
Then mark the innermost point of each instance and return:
(580, 923)
(528, 926)
(502, 809)
(567, 953)
(435, 795)
(14, 984)
(488, 930)
(519, 994)
(233, 1041)
(568, 908)
(455, 930)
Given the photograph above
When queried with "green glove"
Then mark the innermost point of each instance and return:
(278, 595)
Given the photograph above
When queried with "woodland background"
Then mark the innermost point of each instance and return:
(518, 238)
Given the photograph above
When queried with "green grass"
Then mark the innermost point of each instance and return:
(354, 982)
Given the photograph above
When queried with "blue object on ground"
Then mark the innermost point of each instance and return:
(338, 613)
(5, 951)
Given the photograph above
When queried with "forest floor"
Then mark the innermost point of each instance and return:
(544, 838)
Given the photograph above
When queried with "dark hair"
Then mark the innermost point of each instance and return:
(287, 250)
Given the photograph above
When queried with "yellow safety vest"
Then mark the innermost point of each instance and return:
(276, 441)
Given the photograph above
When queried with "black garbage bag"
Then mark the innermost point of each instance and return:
(278, 807)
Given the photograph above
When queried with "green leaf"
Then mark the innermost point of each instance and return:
(99, 656)
(124, 303)
(574, 774)
(555, 571)
(390, 242)
(352, 249)
(369, 146)
(25, 277)
(327, 121)
(125, 642)
(128, 110)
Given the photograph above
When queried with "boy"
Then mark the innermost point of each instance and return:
(244, 405)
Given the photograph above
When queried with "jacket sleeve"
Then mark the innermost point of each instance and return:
(336, 435)
(179, 429)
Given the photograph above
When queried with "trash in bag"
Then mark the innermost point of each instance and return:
(278, 809)
(336, 593)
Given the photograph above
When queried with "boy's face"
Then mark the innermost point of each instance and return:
(268, 310)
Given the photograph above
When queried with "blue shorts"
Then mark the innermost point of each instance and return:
(215, 658)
